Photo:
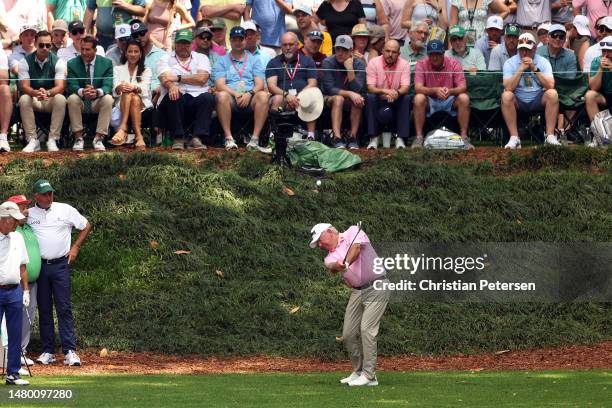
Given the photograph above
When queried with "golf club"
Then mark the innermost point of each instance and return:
(353, 241)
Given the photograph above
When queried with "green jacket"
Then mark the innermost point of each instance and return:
(103, 75)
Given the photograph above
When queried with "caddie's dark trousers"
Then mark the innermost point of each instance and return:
(376, 115)
(11, 303)
(176, 116)
(54, 287)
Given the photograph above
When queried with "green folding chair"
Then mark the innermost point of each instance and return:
(571, 99)
(484, 89)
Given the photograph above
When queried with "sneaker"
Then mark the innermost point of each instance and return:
(363, 380)
(52, 145)
(373, 145)
(196, 144)
(230, 144)
(354, 375)
(98, 145)
(253, 145)
(32, 146)
(26, 361)
(468, 144)
(513, 143)
(14, 379)
(399, 143)
(23, 372)
(310, 138)
(179, 144)
(4, 146)
(46, 358)
(352, 144)
(79, 145)
(417, 143)
(552, 140)
(72, 359)
(339, 144)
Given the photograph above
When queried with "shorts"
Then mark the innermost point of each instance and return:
(439, 105)
(533, 106)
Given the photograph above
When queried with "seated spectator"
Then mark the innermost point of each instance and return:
(6, 102)
(164, 18)
(271, 15)
(562, 60)
(239, 82)
(110, 14)
(604, 29)
(90, 87)
(361, 39)
(579, 38)
(287, 75)
(312, 45)
(600, 80)
(492, 38)
(132, 86)
(140, 32)
(377, 41)
(306, 24)
(27, 38)
(529, 87)
(344, 84)
(471, 59)
(595, 9)
(123, 33)
(42, 79)
(76, 32)
(184, 94)
(440, 86)
(225, 16)
(503, 52)
(414, 50)
(542, 33)
(340, 16)
(58, 35)
(432, 12)
(388, 78)
(251, 41)
(203, 43)
(219, 31)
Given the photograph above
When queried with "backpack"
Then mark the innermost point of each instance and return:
(601, 127)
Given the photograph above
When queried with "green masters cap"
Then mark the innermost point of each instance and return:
(512, 29)
(456, 31)
(218, 22)
(42, 186)
(184, 35)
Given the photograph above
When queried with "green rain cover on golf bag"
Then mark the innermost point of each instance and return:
(315, 154)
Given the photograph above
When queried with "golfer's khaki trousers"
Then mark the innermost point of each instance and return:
(361, 322)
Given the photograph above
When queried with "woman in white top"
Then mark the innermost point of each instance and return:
(433, 12)
(132, 83)
(472, 15)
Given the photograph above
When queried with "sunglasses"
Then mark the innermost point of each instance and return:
(525, 41)
(205, 37)
(558, 36)
(214, 30)
(603, 28)
(605, 44)
(139, 34)
(79, 31)
(45, 45)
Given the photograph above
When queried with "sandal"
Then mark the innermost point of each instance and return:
(119, 138)
(140, 146)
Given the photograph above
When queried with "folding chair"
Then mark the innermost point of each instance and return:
(484, 89)
(571, 99)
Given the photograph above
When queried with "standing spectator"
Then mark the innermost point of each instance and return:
(579, 38)
(492, 38)
(344, 84)
(6, 103)
(561, 11)
(432, 12)
(305, 23)
(90, 86)
(604, 29)
(472, 15)
(27, 39)
(67, 10)
(184, 94)
(270, 15)
(13, 297)
(123, 33)
(16, 14)
(58, 35)
(132, 86)
(595, 9)
(239, 82)
(361, 40)
(471, 59)
(439, 86)
(52, 223)
(414, 50)
(160, 19)
(42, 79)
(311, 48)
(33, 270)
(111, 14)
(392, 20)
(340, 16)
(252, 45)
(529, 87)
(76, 33)
(152, 53)
(230, 10)
(562, 60)
(287, 75)
(502, 52)
(388, 79)
(530, 14)
(600, 80)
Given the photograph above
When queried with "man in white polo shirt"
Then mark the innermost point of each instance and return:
(52, 223)
(13, 260)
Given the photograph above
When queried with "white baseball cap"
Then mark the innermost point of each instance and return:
(495, 21)
(582, 25)
(10, 209)
(544, 26)
(316, 232)
(123, 31)
(530, 38)
(606, 43)
(249, 25)
(607, 21)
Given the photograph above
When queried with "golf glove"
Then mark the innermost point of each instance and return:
(26, 298)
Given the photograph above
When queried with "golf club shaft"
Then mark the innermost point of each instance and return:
(352, 242)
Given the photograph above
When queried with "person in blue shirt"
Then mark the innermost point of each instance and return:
(270, 14)
(562, 60)
(239, 81)
(529, 86)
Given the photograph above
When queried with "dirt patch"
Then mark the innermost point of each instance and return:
(597, 356)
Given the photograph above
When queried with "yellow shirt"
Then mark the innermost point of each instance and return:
(327, 46)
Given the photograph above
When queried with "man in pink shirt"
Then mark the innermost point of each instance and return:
(388, 79)
(351, 254)
(440, 85)
(595, 9)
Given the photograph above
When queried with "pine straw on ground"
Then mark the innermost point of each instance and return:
(573, 357)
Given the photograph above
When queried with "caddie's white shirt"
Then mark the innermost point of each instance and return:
(60, 68)
(3, 60)
(198, 62)
(13, 254)
(53, 228)
(68, 53)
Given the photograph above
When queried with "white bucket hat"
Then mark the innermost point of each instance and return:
(311, 104)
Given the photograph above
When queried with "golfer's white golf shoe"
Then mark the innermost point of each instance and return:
(352, 377)
(363, 380)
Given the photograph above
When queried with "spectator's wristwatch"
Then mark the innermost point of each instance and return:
(179, 78)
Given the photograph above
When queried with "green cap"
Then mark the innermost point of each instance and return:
(42, 186)
(456, 31)
(184, 35)
(218, 22)
(512, 29)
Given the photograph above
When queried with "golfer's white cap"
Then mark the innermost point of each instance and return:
(10, 209)
(316, 232)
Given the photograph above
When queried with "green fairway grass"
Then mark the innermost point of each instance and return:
(397, 389)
